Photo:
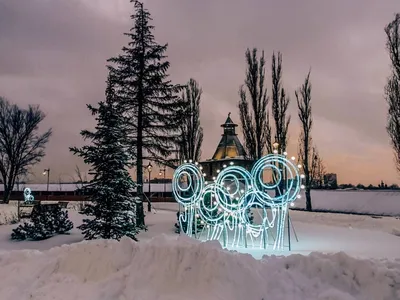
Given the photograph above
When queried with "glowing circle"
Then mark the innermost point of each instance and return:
(225, 203)
(28, 197)
(187, 192)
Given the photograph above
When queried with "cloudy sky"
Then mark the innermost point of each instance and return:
(53, 53)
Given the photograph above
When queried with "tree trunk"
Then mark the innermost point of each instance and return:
(6, 194)
(308, 199)
(139, 166)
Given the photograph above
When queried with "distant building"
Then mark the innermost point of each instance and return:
(330, 180)
(230, 151)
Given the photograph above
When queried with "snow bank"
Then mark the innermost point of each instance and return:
(8, 214)
(385, 203)
(179, 268)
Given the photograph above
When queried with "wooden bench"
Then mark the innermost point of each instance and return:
(27, 209)
(63, 204)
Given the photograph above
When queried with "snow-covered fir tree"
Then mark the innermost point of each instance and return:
(111, 189)
(150, 99)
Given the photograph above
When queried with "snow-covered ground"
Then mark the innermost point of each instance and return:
(361, 261)
(377, 202)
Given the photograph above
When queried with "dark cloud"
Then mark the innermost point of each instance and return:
(53, 53)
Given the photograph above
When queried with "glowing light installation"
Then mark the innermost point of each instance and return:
(28, 197)
(223, 205)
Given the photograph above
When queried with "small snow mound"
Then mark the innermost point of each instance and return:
(396, 232)
(333, 294)
(181, 268)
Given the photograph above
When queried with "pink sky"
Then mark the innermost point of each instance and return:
(53, 53)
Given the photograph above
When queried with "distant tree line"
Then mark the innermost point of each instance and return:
(381, 186)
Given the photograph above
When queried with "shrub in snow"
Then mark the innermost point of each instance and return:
(8, 217)
(46, 221)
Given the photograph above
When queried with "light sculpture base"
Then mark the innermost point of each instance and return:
(238, 208)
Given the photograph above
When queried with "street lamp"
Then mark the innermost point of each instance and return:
(149, 169)
(47, 172)
(163, 171)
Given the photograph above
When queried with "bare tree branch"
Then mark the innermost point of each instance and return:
(20, 145)
(280, 104)
(392, 88)
(303, 97)
(255, 126)
(191, 138)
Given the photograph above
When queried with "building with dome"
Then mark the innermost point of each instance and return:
(230, 151)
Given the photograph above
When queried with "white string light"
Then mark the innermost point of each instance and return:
(224, 204)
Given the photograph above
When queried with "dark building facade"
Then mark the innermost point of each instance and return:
(230, 151)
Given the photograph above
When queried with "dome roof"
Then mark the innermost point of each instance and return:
(229, 145)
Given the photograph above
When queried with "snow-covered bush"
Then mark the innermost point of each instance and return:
(44, 223)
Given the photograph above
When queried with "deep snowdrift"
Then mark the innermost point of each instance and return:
(179, 268)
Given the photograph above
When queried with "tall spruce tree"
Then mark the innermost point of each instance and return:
(150, 100)
(192, 132)
(111, 189)
(254, 120)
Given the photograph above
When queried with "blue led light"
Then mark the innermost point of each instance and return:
(223, 206)
(28, 197)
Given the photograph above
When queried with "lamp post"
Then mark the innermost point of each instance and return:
(275, 146)
(149, 169)
(47, 172)
(163, 171)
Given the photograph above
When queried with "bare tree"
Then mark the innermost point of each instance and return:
(192, 133)
(20, 144)
(81, 180)
(280, 104)
(392, 88)
(254, 119)
(303, 97)
(80, 183)
(318, 170)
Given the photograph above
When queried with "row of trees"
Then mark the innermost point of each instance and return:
(144, 118)
(147, 118)
(261, 133)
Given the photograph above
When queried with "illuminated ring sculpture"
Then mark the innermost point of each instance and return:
(223, 206)
(292, 182)
(233, 182)
(191, 193)
(209, 207)
(28, 197)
